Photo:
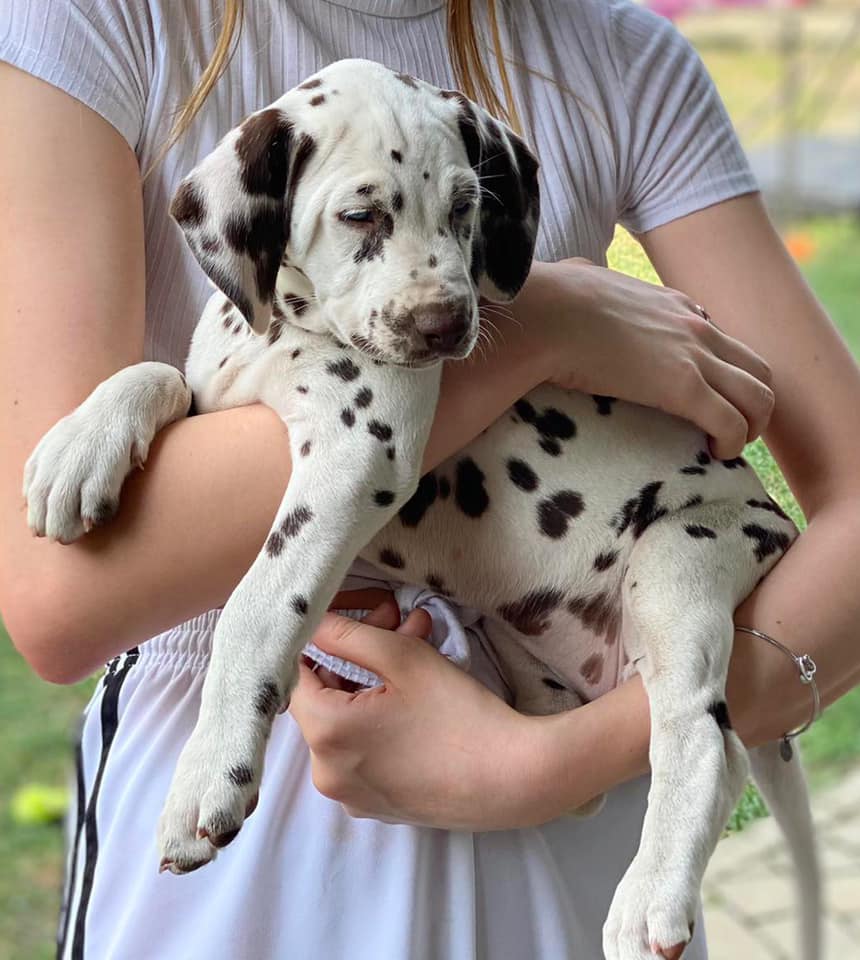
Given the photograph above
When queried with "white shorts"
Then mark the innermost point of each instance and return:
(303, 881)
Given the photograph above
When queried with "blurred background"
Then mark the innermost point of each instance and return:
(789, 74)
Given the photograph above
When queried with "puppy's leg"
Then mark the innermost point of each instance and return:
(73, 478)
(686, 576)
(350, 476)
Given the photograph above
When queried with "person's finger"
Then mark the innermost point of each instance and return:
(386, 615)
(385, 652)
(738, 354)
(419, 623)
(752, 398)
(721, 420)
(367, 598)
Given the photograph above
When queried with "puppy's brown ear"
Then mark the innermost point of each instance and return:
(503, 247)
(235, 209)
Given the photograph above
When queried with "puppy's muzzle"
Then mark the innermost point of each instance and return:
(444, 325)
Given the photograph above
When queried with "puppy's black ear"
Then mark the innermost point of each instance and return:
(235, 209)
(503, 247)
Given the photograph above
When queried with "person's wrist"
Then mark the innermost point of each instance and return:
(521, 782)
(552, 294)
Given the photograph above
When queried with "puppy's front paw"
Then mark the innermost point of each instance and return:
(215, 788)
(650, 916)
(73, 478)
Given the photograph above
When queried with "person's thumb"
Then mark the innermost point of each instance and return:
(384, 652)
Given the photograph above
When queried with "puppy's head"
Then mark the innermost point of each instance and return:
(401, 204)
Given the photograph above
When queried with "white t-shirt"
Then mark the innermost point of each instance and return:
(629, 129)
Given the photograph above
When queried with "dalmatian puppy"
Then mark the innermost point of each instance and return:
(349, 229)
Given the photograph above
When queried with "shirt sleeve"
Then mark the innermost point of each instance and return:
(95, 50)
(681, 153)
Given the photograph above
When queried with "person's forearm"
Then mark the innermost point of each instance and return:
(809, 602)
(191, 524)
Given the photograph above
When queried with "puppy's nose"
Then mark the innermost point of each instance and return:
(444, 325)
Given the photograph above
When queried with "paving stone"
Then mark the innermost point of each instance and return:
(748, 893)
(730, 940)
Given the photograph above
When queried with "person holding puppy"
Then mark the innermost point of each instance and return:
(447, 837)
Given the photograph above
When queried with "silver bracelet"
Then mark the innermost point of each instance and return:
(806, 667)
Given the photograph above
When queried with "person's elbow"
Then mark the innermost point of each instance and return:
(39, 617)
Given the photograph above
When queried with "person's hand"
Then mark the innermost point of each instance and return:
(431, 747)
(605, 333)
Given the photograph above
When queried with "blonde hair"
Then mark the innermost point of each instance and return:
(464, 49)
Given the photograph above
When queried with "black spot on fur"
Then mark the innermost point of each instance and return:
(469, 490)
(598, 614)
(263, 145)
(226, 307)
(432, 261)
(348, 417)
(267, 702)
(383, 498)
(397, 156)
(767, 541)
(444, 488)
(397, 202)
(300, 604)
(379, 430)
(554, 684)
(318, 100)
(640, 511)
(604, 404)
(720, 712)
(301, 389)
(311, 84)
(389, 452)
(297, 303)
(435, 582)
(345, 369)
(694, 471)
(240, 775)
(374, 237)
(530, 614)
(734, 463)
(698, 532)
(556, 512)
(305, 448)
(522, 475)
(407, 79)
(552, 425)
(694, 501)
(391, 558)
(221, 364)
(275, 544)
(426, 174)
(188, 208)
(366, 189)
(363, 398)
(295, 520)
(603, 561)
(703, 458)
(412, 512)
(771, 505)
(210, 243)
(295, 353)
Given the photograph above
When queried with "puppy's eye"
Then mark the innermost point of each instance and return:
(461, 208)
(356, 216)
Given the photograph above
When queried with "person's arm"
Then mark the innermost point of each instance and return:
(530, 770)
(72, 313)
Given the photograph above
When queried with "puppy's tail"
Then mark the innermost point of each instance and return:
(784, 789)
